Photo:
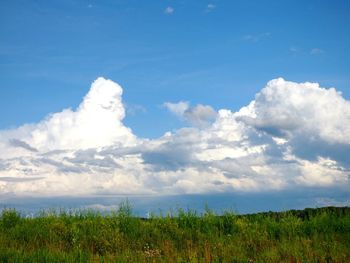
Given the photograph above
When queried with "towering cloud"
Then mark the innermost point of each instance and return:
(314, 121)
(291, 135)
(97, 122)
(287, 109)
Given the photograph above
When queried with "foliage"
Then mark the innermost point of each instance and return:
(310, 235)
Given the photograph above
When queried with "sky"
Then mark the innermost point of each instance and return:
(233, 98)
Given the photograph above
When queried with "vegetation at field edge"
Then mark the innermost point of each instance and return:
(310, 235)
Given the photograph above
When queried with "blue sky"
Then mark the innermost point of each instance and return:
(242, 101)
(220, 55)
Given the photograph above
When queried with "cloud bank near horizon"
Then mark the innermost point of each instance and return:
(292, 135)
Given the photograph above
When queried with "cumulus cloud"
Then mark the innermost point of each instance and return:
(22, 144)
(314, 121)
(178, 108)
(199, 115)
(292, 135)
(97, 122)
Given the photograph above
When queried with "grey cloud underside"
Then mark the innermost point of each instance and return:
(19, 179)
(200, 115)
(22, 144)
(293, 135)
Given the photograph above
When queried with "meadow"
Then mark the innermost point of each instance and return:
(310, 235)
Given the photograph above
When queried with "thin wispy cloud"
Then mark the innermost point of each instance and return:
(169, 10)
(210, 8)
(294, 49)
(257, 37)
(134, 109)
(316, 51)
(313, 51)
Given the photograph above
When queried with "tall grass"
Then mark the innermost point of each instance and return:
(312, 235)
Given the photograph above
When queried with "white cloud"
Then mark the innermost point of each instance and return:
(97, 122)
(178, 108)
(299, 110)
(294, 49)
(256, 37)
(324, 172)
(199, 115)
(134, 109)
(210, 7)
(292, 135)
(316, 51)
(169, 10)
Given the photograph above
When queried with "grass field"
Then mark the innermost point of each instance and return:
(310, 235)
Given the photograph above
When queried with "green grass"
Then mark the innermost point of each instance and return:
(311, 235)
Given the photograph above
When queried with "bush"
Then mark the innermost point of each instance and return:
(10, 218)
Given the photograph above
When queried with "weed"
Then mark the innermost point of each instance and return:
(311, 235)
